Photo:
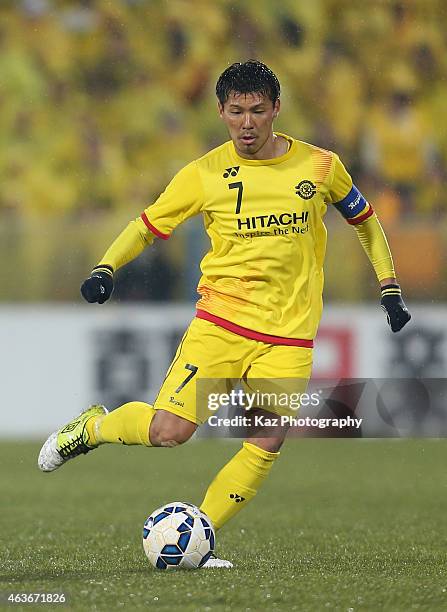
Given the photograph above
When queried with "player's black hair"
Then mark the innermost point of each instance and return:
(249, 77)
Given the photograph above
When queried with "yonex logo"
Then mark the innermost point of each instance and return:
(306, 189)
(231, 171)
(237, 498)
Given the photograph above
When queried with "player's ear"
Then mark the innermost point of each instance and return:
(220, 108)
(276, 108)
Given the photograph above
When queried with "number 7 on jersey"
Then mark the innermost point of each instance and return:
(240, 190)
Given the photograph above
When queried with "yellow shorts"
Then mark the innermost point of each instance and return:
(210, 354)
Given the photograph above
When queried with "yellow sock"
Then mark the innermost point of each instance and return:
(237, 483)
(128, 424)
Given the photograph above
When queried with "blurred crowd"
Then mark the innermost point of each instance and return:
(102, 101)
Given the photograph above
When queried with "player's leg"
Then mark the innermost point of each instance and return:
(173, 418)
(170, 430)
(141, 423)
(210, 353)
(128, 424)
(267, 436)
(241, 478)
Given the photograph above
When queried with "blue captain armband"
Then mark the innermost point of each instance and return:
(352, 205)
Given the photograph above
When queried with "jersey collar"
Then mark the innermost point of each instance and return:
(266, 162)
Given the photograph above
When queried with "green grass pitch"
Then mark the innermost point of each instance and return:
(343, 525)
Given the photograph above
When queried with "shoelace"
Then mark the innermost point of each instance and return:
(74, 447)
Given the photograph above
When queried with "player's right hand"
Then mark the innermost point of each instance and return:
(98, 287)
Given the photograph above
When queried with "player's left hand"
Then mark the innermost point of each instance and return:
(393, 305)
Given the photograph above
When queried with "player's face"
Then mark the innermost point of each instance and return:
(249, 119)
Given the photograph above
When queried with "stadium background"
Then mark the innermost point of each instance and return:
(102, 102)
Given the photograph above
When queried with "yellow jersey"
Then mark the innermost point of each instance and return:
(263, 275)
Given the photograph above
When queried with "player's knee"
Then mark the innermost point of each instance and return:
(170, 430)
(168, 436)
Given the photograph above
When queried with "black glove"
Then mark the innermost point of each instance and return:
(98, 287)
(394, 307)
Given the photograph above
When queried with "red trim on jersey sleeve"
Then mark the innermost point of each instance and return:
(250, 333)
(362, 218)
(153, 229)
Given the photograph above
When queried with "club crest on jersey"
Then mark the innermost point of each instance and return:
(231, 171)
(306, 189)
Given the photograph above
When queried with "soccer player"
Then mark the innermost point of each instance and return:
(263, 196)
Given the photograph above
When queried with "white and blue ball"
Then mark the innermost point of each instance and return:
(178, 535)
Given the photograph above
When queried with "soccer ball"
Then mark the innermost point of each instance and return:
(178, 535)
